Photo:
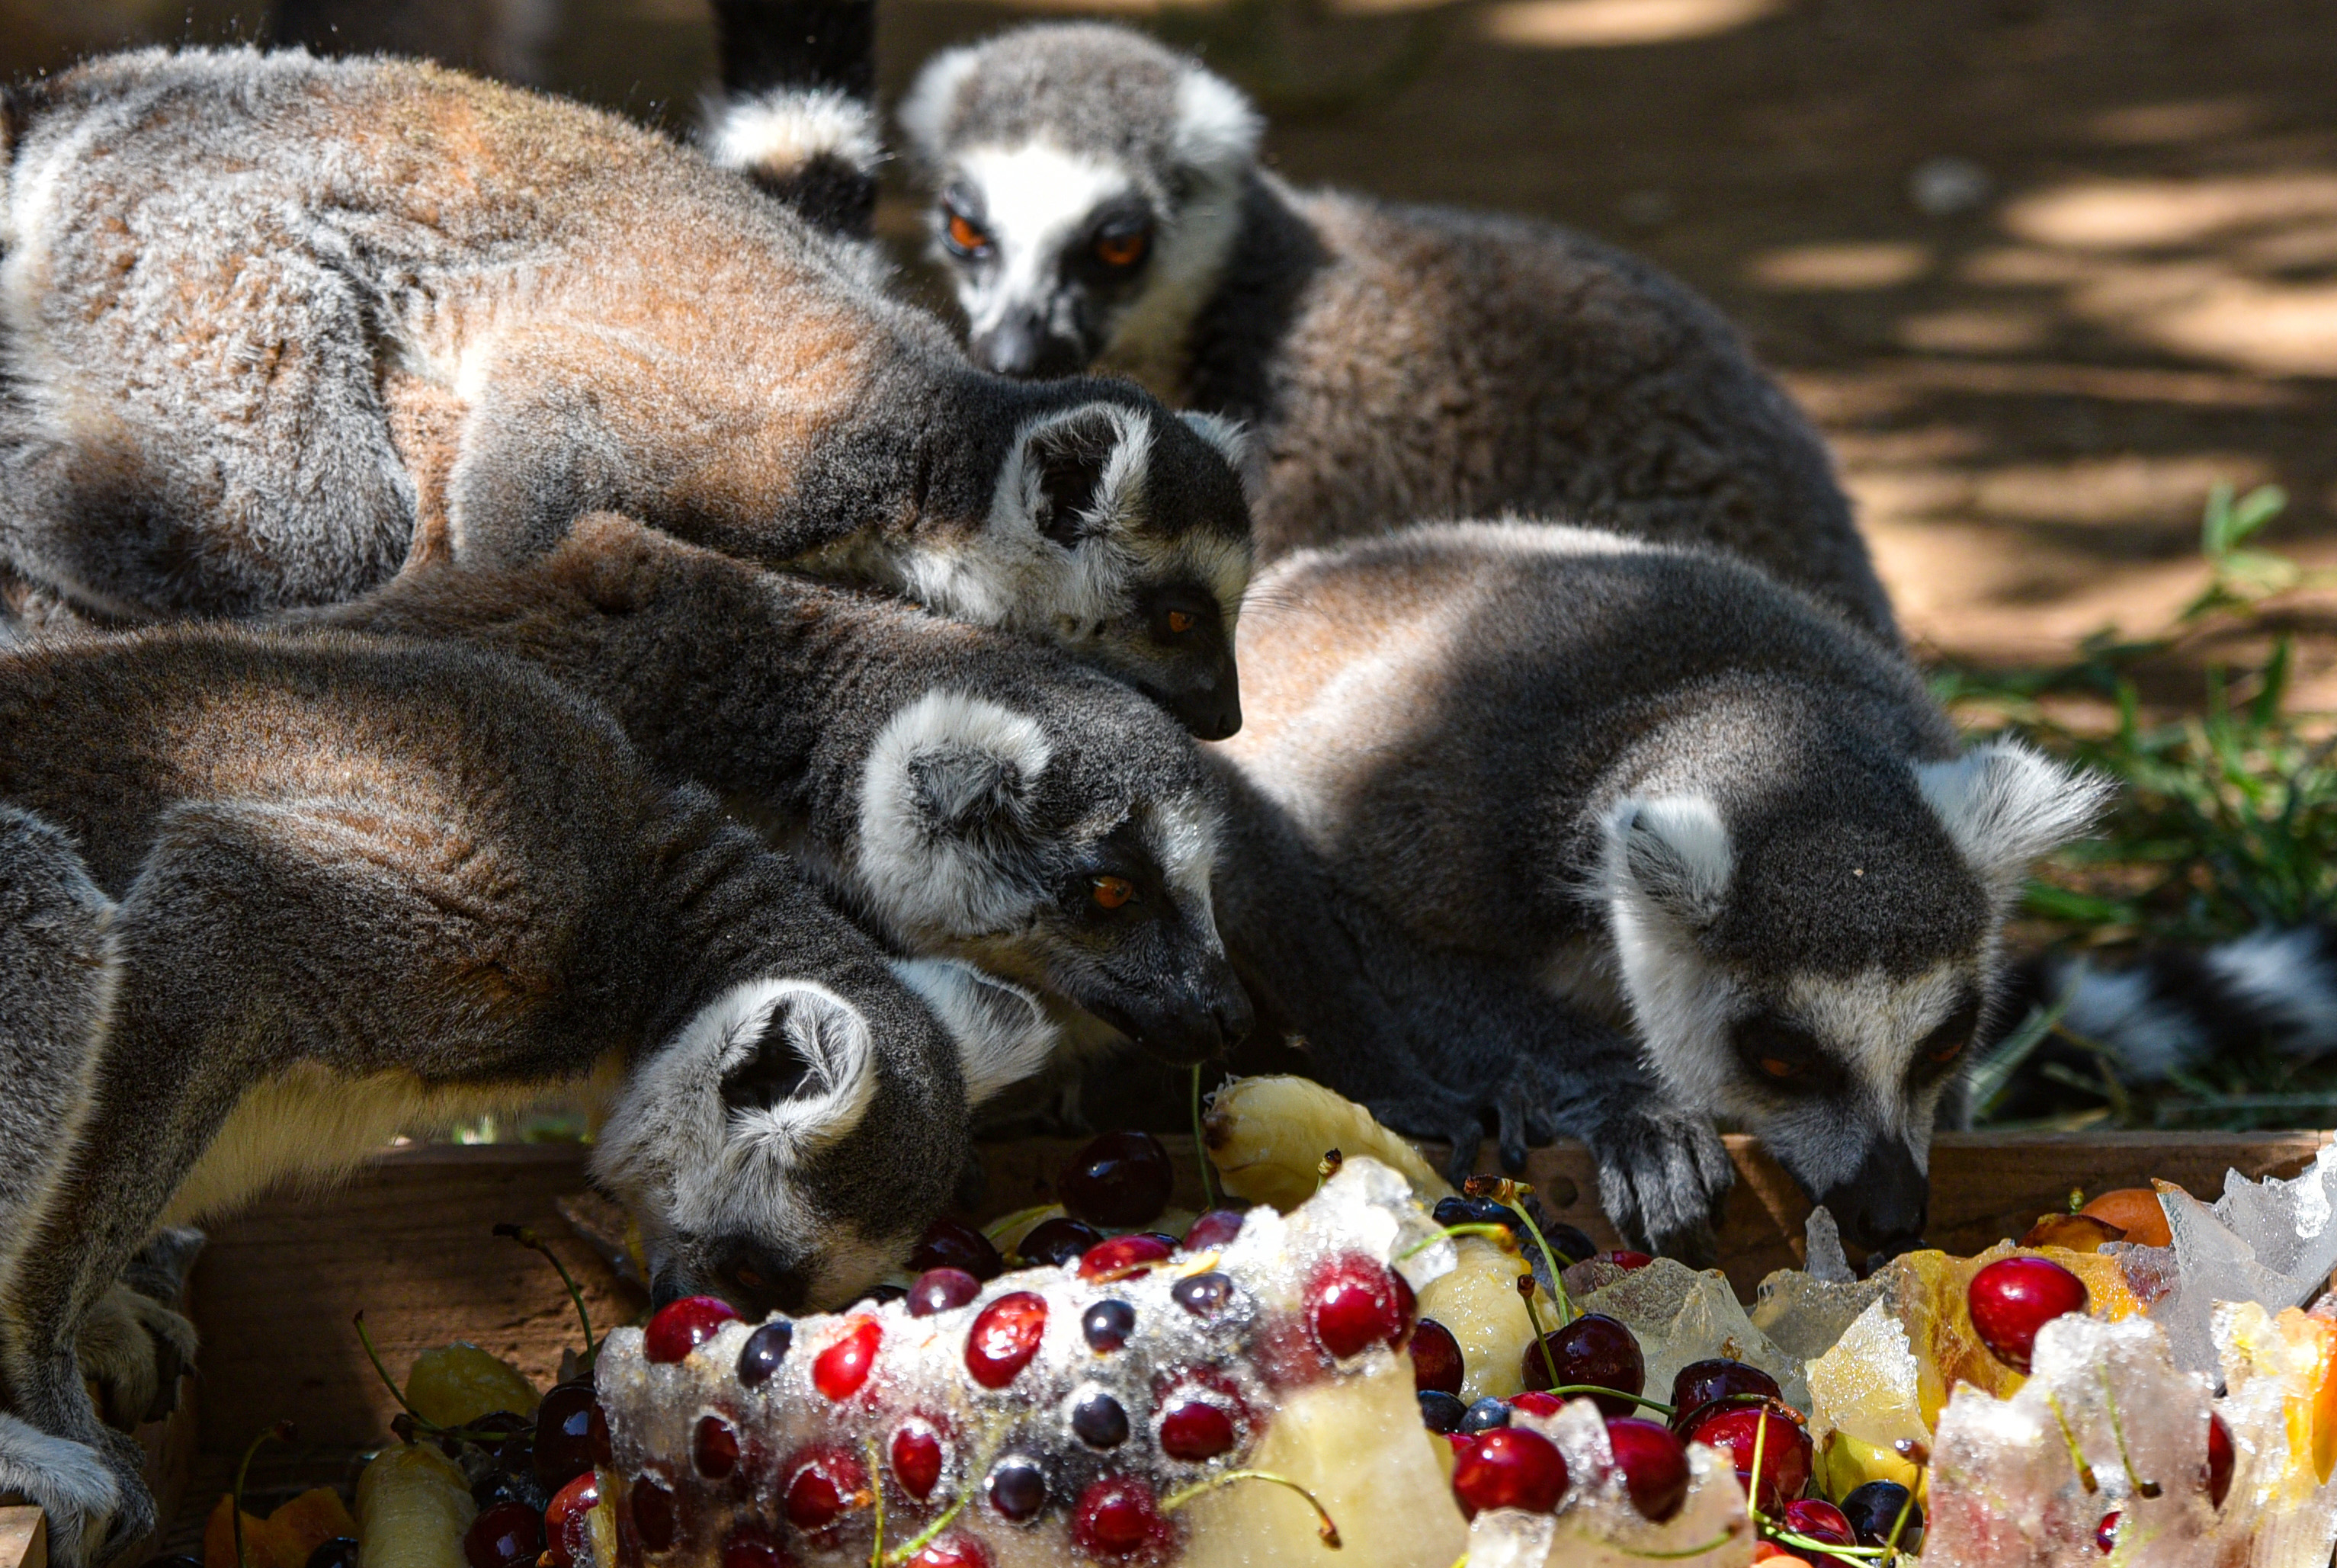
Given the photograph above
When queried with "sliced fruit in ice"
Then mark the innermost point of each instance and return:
(1267, 1137)
(1680, 1314)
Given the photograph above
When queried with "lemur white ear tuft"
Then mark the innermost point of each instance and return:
(1230, 439)
(1217, 130)
(807, 1069)
(773, 135)
(1080, 472)
(2004, 804)
(1674, 852)
(924, 113)
(1003, 1034)
(962, 763)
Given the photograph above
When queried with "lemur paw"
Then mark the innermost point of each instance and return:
(1664, 1176)
(133, 1349)
(95, 1498)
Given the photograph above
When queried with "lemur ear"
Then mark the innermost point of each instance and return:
(1217, 128)
(1230, 439)
(1082, 470)
(809, 1067)
(1674, 852)
(1002, 1033)
(924, 113)
(958, 787)
(2005, 804)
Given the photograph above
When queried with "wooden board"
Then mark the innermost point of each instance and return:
(409, 1241)
(23, 1537)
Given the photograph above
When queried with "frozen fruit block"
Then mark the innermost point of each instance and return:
(1479, 1302)
(1595, 1525)
(2280, 1408)
(2271, 1242)
(1804, 1311)
(1869, 1384)
(1680, 1314)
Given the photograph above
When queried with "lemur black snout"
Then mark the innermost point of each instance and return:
(1883, 1205)
(1214, 714)
(1021, 346)
(750, 1279)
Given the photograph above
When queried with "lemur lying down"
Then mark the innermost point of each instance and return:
(1614, 839)
(338, 888)
(966, 792)
(276, 326)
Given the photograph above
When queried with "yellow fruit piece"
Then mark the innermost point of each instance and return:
(282, 1540)
(1479, 1302)
(1267, 1137)
(413, 1506)
(2312, 1409)
(1847, 1463)
(1358, 1445)
(460, 1383)
(1928, 1295)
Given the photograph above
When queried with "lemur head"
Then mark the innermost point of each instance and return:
(1065, 844)
(1118, 532)
(1812, 963)
(787, 1146)
(1090, 184)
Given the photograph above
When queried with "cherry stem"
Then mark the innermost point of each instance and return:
(529, 1238)
(1549, 1259)
(1541, 1338)
(1753, 1487)
(1201, 1147)
(1487, 1229)
(1325, 1528)
(2076, 1456)
(2142, 1488)
(282, 1432)
(1906, 1511)
(1715, 1544)
(1638, 1400)
(876, 1474)
(1328, 1167)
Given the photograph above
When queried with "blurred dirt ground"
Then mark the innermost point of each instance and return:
(2044, 270)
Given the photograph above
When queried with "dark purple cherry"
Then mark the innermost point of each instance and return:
(1594, 1349)
(765, 1349)
(1215, 1229)
(1436, 1361)
(1107, 1325)
(1017, 1488)
(1700, 1383)
(1053, 1243)
(564, 1420)
(950, 1244)
(1119, 1180)
(939, 1289)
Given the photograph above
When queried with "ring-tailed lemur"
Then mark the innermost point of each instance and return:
(1567, 785)
(797, 110)
(967, 793)
(359, 885)
(1099, 202)
(276, 326)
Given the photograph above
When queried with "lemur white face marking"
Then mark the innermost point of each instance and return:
(1035, 201)
(707, 1137)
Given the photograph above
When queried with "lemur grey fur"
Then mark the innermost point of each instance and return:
(277, 325)
(797, 110)
(965, 792)
(355, 887)
(1099, 202)
(1568, 785)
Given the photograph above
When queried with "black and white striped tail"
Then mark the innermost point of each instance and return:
(2172, 1007)
(797, 110)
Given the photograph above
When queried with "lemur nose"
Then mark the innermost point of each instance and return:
(1884, 1204)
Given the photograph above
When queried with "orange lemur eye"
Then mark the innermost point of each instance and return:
(1120, 249)
(1110, 892)
(963, 235)
(1778, 1067)
(1941, 1056)
(1179, 621)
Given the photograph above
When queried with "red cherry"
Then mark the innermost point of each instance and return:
(505, 1534)
(652, 1511)
(1593, 1349)
(1124, 1256)
(1004, 1336)
(839, 1371)
(1624, 1257)
(1820, 1521)
(1194, 1430)
(2219, 1461)
(917, 1457)
(1509, 1467)
(752, 1546)
(1119, 1179)
(714, 1447)
(939, 1289)
(1118, 1517)
(1436, 1362)
(1354, 1305)
(2106, 1532)
(1533, 1402)
(1654, 1464)
(827, 1484)
(949, 1244)
(2013, 1297)
(1700, 1383)
(681, 1327)
(1785, 1455)
(952, 1552)
(1212, 1230)
(567, 1536)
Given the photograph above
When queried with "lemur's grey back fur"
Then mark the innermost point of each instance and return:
(1394, 362)
(277, 326)
(959, 789)
(364, 887)
(1660, 788)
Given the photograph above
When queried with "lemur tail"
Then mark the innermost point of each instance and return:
(2174, 1006)
(797, 110)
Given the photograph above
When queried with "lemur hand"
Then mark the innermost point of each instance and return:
(133, 1349)
(1663, 1176)
(95, 1496)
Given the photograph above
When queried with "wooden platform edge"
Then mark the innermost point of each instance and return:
(23, 1537)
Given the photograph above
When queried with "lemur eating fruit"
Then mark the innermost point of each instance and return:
(1565, 789)
(1098, 201)
(355, 887)
(277, 326)
(967, 793)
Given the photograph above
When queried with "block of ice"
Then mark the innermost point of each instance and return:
(2278, 1405)
(1680, 1314)
(2271, 1242)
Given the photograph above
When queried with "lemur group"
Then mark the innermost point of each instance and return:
(501, 601)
